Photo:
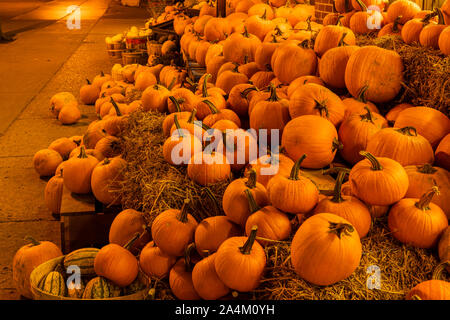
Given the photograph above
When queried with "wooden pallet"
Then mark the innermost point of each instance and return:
(85, 222)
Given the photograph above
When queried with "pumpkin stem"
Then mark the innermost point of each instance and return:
(362, 5)
(211, 106)
(367, 116)
(251, 202)
(426, 168)
(274, 38)
(264, 16)
(183, 216)
(175, 102)
(88, 82)
(251, 180)
(245, 93)
(130, 243)
(116, 107)
(82, 153)
(408, 131)
(396, 23)
(439, 270)
(296, 168)
(440, 15)
(172, 83)
(177, 125)
(424, 201)
(247, 247)
(101, 73)
(245, 33)
(336, 145)
(375, 163)
(192, 116)
(337, 197)
(205, 85)
(187, 256)
(105, 162)
(362, 94)
(273, 93)
(340, 229)
(427, 18)
(322, 107)
(33, 241)
(415, 297)
(342, 42)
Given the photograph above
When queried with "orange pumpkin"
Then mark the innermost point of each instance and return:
(154, 263)
(173, 230)
(325, 249)
(106, 179)
(331, 36)
(405, 8)
(442, 153)
(241, 47)
(267, 166)
(205, 280)
(430, 290)
(78, 171)
(46, 161)
(180, 278)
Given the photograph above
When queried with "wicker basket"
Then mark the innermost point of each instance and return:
(132, 57)
(154, 48)
(47, 267)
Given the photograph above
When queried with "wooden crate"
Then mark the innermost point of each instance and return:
(85, 222)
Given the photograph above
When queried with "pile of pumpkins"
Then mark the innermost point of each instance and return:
(262, 74)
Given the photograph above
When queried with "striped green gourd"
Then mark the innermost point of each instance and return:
(101, 288)
(84, 259)
(135, 286)
(76, 292)
(54, 284)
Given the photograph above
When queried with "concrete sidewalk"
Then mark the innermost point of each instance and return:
(39, 64)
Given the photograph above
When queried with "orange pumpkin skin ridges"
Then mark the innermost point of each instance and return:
(430, 290)
(444, 40)
(212, 168)
(212, 231)
(378, 181)
(323, 258)
(444, 247)
(154, 263)
(205, 280)
(26, 259)
(125, 225)
(237, 270)
(333, 63)
(442, 153)
(180, 280)
(379, 69)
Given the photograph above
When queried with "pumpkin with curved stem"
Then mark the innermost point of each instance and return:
(442, 153)
(347, 207)
(313, 99)
(205, 280)
(366, 21)
(173, 230)
(259, 25)
(89, 93)
(228, 79)
(27, 258)
(106, 179)
(241, 47)
(92, 152)
(239, 97)
(45, 162)
(78, 171)
(356, 131)
(294, 194)
(186, 100)
(175, 147)
(269, 165)
(125, 225)
(169, 120)
(217, 29)
(109, 146)
(209, 101)
(154, 263)
(429, 122)
(333, 62)
(117, 263)
(379, 69)
(391, 29)
(249, 69)
(189, 125)
(378, 181)
(423, 178)
(240, 262)
(259, 9)
(291, 60)
(221, 114)
(234, 201)
(213, 66)
(325, 249)
(412, 28)
(272, 223)
(180, 277)
(403, 145)
(429, 36)
(358, 105)
(312, 135)
(212, 231)
(300, 81)
(331, 36)
(115, 124)
(271, 114)
(418, 222)
(405, 8)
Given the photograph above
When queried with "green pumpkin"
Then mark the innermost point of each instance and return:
(54, 284)
(134, 287)
(82, 258)
(101, 288)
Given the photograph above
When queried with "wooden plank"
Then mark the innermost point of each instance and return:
(221, 7)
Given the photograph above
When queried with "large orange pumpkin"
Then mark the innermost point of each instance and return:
(442, 153)
(325, 249)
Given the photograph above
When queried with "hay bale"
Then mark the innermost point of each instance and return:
(426, 74)
(152, 186)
